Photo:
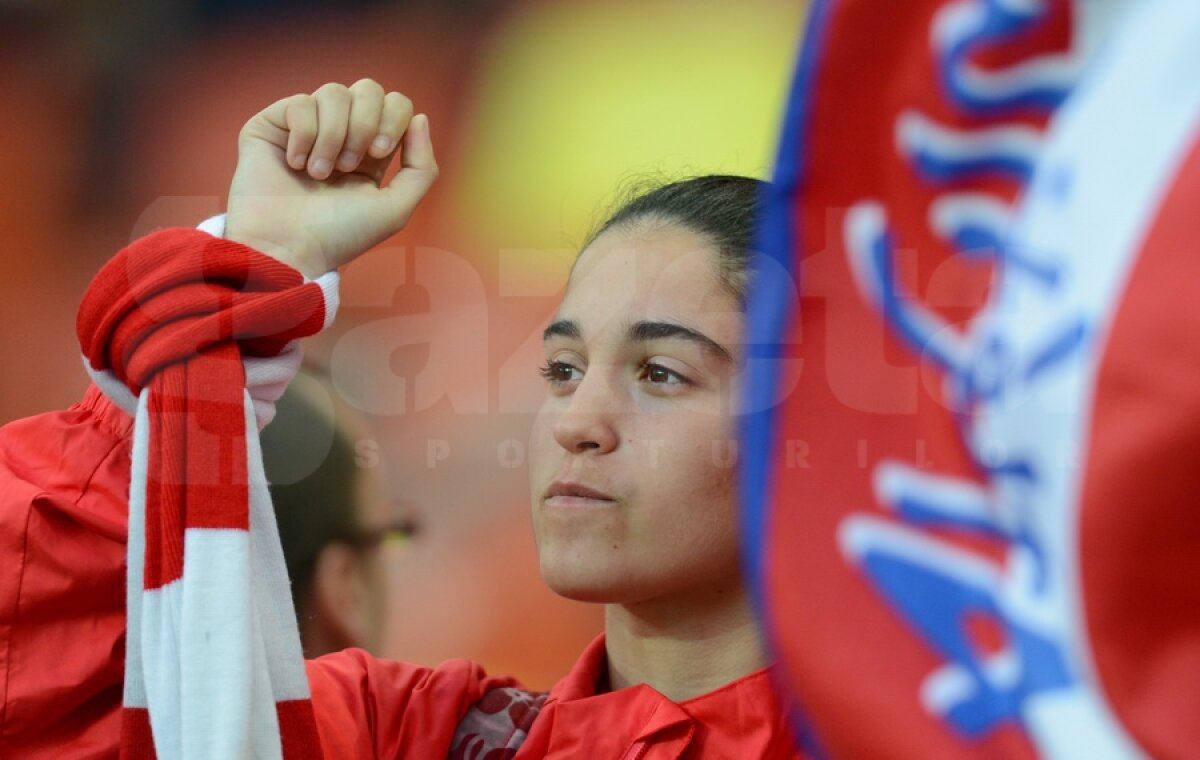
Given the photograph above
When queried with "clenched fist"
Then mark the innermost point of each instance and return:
(309, 189)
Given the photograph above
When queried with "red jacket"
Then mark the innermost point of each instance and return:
(63, 499)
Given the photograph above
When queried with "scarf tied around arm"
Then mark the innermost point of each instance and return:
(171, 329)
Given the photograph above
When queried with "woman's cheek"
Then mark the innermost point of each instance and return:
(541, 445)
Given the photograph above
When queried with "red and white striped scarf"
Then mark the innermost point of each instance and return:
(213, 664)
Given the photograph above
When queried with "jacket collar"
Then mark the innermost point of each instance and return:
(643, 714)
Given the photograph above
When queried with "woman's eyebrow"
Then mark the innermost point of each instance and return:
(562, 327)
(644, 331)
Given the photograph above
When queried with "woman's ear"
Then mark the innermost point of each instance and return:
(338, 615)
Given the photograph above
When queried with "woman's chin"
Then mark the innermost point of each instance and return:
(585, 584)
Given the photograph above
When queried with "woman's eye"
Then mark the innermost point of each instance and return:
(559, 373)
(656, 374)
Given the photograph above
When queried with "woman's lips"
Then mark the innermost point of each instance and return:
(571, 494)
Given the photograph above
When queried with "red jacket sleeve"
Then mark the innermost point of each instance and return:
(372, 708)
(63, 484)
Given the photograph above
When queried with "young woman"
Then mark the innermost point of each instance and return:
(631, 470)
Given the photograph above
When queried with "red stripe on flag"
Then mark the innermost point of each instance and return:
(1139, 531)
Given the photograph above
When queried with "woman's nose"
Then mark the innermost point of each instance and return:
(589, 422)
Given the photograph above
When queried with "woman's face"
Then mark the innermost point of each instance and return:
(632, 461)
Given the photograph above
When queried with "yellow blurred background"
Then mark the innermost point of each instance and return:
(120, 118)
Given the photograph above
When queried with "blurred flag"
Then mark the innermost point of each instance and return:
(973, 407)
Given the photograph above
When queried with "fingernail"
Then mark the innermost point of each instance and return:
(382, 143)
(299, 161)
(347, 160)
(322, 166)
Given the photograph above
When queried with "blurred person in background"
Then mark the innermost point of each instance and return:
(335, 516)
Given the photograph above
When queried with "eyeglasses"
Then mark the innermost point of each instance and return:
(397, 533)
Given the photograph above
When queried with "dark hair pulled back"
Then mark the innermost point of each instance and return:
(720, 207)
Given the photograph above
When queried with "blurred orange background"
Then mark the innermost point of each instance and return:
(121, 118)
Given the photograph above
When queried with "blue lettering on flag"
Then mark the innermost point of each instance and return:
(932, 582)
